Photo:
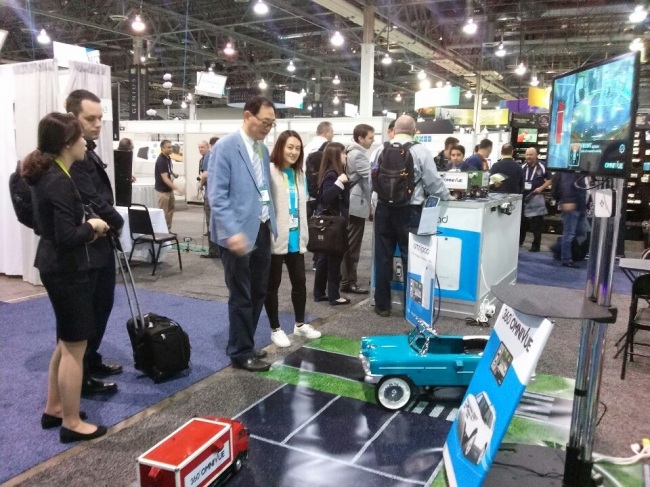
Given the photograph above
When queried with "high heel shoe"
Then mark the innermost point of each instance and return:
(69, 436)
(48, 421)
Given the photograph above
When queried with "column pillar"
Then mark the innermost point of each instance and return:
(366, 85)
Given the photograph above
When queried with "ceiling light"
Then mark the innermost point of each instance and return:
(167, 102)
(183, 104)
(448, 83)
(485, 101)
(229, 50)
(468, 94)
(386, 60)
(142, 59)
(398, 97)
(337, 39)
(335, 112)
(262, 84)
(384, 111)
(534, 81)
(439, 84)
(422, 74)
(425, 84)
(336, 100)
(520, 69)
(189, 96)
(291, 68)
(636, 45)
(303, 93)
(261, 8)
(137, 25)
(639, 14)
(310, 107)
(43, 38)
(336, 80)
(501, 51)
(470, 27)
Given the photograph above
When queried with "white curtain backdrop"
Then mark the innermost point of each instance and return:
(29, 92)
(95, 78)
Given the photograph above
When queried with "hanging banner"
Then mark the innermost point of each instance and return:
(539, 97)
(138, 92)
(437, 97)
(492, 397)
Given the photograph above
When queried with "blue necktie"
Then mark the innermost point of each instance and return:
(259, 177)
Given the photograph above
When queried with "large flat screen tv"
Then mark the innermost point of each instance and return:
(592, 118)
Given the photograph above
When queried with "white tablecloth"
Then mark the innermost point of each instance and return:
(141, 252)
(144, 193)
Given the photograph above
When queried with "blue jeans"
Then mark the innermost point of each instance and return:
(574, 225)
(392, 226)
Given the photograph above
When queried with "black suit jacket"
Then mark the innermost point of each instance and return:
(60, 215)
(95, 188)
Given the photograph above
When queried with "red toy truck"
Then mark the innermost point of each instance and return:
(196, 454)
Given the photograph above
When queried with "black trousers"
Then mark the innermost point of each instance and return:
(103, 298)
(247, 278)
(213, 247)
(328, 276)
(356, 226)
(295, 262)
(533, 224)
(391, 229)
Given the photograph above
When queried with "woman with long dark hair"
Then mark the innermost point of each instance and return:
(63, 263)
(334, 196)
(289, 193)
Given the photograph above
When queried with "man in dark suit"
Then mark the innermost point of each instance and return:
(243, 218)
(90, 178)
(507, 166)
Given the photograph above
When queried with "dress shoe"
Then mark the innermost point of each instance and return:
(340, 302)
(570, 264)
(384, 313)
(68, 436)
(252, 364)
(534, 249)
(259, 353)
(209, 256)
(318, 299)
(102, 369)
(354, 289)
(93, 386)
(48, 421)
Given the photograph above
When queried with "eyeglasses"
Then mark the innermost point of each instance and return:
(265, 123)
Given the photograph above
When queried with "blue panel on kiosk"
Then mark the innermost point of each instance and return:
(458, 263)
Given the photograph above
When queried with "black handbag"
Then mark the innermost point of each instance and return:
(328, 234)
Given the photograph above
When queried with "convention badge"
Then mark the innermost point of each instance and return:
(293, 222)
(528, 186)
(266, 198)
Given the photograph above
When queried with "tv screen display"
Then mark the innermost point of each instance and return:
(592, 115)
(526, 135)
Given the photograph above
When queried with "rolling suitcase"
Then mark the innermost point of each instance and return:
(161, 348)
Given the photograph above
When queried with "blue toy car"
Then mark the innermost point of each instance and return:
(402, 365)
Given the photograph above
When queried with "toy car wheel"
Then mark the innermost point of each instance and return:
(239, 462)
(394, 392)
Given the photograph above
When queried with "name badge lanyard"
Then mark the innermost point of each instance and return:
(266, 198)
(293, 214)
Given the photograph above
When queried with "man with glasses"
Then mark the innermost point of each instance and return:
(243, 218)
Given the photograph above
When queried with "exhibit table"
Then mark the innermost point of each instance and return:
(478, 247)
(144, 193)
(633, 268)
(142, 251)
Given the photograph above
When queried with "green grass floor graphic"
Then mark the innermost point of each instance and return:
(521, 430)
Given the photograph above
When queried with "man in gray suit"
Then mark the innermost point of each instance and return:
(243, 218)
(358, 172)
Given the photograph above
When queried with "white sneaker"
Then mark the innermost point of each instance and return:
(280, 338)
(306, 331)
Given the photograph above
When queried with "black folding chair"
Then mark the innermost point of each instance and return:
(638, 320)
(142, 233)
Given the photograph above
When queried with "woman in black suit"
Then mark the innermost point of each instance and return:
(334, 196)
(63, 263)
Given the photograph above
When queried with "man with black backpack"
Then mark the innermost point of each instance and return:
(403, 176)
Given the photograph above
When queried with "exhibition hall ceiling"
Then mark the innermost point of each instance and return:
(182, 37)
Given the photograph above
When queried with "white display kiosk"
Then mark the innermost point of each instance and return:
(478, 247)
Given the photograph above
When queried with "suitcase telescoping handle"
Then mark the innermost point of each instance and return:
(129, 284)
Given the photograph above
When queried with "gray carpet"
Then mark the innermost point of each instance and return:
(111, 460)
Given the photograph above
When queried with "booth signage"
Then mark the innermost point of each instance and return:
(421, 278)
(210, 84)
(437, 97)
(505, 369)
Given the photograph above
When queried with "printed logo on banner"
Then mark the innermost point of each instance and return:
(508, 362)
